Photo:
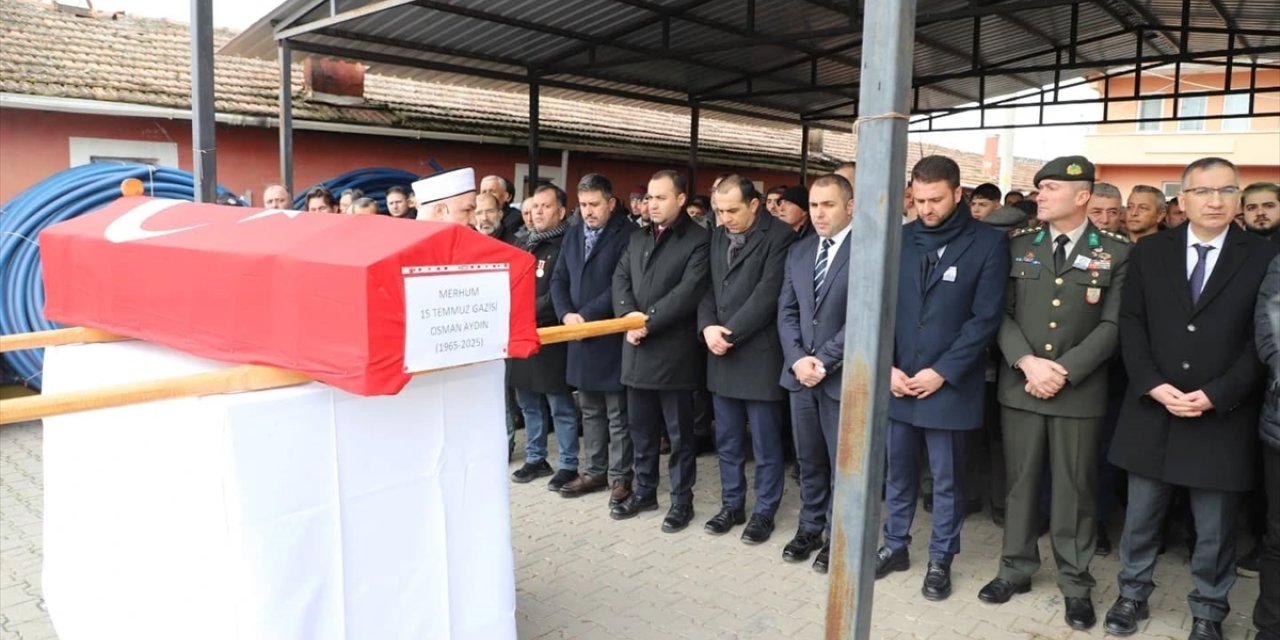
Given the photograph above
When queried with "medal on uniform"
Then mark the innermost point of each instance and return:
(541, 271)
(1030, 257)
(1093, 295)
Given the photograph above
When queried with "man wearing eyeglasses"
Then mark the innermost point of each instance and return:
(1190, 415)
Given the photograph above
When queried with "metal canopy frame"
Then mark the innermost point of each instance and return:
(791, 62)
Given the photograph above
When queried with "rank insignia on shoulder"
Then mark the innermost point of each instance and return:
(1024, 231)
(1115, 236)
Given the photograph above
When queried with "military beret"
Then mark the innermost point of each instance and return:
(1067, 168)
(797, 195)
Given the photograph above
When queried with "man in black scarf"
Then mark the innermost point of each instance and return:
(542, 376)
(950, 303)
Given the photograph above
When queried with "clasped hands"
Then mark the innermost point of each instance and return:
(922, 385)
(1045, 378)
(1183, 405)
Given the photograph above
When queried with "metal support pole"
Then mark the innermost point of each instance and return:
(888, 41)
(204, 162)
(533, 134)
(804, 154)
(285, 51)
(695, 114)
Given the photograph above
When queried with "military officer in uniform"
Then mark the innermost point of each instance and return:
(1061, 326)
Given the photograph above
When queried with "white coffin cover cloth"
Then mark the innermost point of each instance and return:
(294, 514)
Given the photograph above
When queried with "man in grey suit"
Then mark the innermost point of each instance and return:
(811, 315)
(737, 321)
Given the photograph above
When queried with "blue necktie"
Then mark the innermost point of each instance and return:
(1197, 273)
(820, 269)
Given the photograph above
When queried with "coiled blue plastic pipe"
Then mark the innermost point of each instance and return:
(373, 181)
(60, 197)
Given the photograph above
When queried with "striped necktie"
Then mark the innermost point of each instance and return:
(820, 269)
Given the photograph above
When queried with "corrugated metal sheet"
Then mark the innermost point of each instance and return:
(676, 48)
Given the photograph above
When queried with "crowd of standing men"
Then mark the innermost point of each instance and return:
(1085, 348)
(1059, 343)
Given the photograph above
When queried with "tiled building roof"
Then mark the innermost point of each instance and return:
(121, 59)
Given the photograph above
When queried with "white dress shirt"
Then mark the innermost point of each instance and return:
(1210, 259)
(836, 241)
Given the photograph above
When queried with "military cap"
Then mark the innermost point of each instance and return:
(1067, 168)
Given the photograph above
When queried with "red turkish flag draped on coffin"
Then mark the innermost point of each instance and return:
(358, 302)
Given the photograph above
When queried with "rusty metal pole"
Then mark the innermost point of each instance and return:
(888, 40)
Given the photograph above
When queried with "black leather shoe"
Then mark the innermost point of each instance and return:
(1205, 630)
(1103, 546)
(887, 561)
(531, 471)
(1266, 635)
(1123, 616)
(1080, 614)
(632, 506)
(823, 561)
(999, 591)
(678, 517)
(937, 582)
(802, 546)
(928, 504)
(997, 516)
(758, 530)
(722, 522)
(561, 478)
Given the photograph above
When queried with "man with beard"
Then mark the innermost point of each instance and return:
(950, 303)
(502, 189)
(639, 209)
(661, 278)
(489, 219)
(737, 319)
(581, 289)
(1262, 208)
(1059, 332)
(1106, 211)
(449, 196)
(542, 376)
(1145, 214)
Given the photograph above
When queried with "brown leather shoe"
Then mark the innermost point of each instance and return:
(621, 491)
(583, 484)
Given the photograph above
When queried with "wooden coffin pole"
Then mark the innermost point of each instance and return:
(234, 380)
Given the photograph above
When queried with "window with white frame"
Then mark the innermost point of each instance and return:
(1192, 107)
(1171, 189)
(1233, 105)
(87, 150)
(1149, 111)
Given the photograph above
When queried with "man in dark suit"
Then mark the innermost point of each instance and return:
(950, 302)
(1060, 330)
(582, 291)
(811, 315)
(539, 380)
(1190, 417)
(738, 323)
(1266, 612)
(661, 277)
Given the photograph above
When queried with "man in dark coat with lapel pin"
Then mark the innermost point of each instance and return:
(582, 290)
(1061, 327)
(737, 320)
(950, 303)
(661, 277)
(811, 318)
(541, 376)
(1190, 416)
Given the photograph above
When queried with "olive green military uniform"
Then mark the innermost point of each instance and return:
(1069, 314)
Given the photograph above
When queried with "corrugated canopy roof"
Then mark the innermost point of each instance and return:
(789, 60)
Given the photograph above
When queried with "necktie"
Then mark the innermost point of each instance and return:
(1197, 273)
(820, 268)
(1060, 252)
(591, 236)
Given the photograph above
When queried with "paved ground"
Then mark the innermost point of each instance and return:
(583, 576)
